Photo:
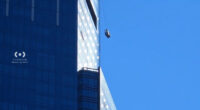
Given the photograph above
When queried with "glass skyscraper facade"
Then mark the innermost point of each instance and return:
(106, 101)
(49, 55)
(88, 34)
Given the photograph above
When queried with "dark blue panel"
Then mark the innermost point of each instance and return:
(38, 59)
(88, 95)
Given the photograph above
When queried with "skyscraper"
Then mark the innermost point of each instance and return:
(49, 56)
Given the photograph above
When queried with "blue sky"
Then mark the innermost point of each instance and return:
(152, 61)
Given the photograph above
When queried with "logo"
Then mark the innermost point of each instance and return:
(20, 54)
(19, 57)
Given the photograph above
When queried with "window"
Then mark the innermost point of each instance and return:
(94, 17)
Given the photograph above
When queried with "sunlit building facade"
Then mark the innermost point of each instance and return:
(49, 56)
(106, 100)
(88, 34)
